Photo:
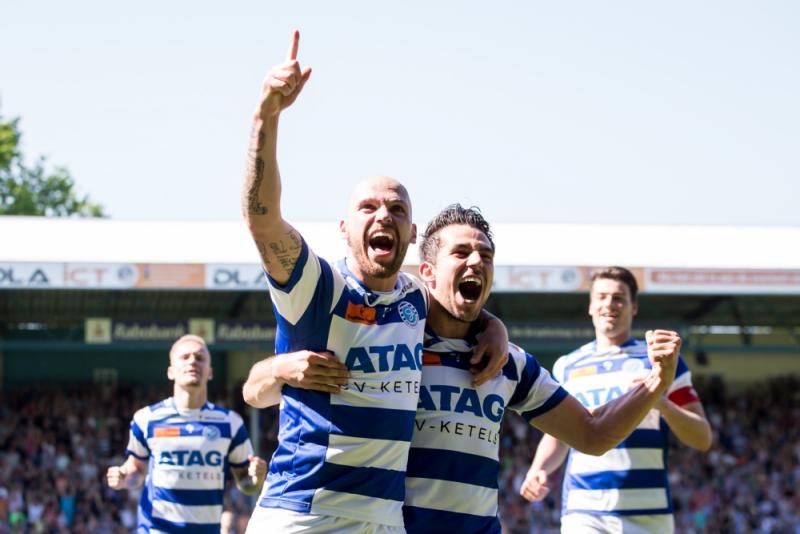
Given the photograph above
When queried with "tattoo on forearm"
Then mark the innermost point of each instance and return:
(255, 172)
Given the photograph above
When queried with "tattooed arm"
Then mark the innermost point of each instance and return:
(278, 243)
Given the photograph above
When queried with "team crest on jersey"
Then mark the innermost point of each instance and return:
(633, 365)
(607, 365)
(211, 432)
(408, 313)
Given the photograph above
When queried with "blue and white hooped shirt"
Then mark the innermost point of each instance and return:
(451, 483)
(630, 479)
(189, 454)
(345, 455)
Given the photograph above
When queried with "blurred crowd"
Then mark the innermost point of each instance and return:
(56, 444)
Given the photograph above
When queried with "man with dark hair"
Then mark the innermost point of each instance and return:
(626, 489)
(451, 483)
(453, 214)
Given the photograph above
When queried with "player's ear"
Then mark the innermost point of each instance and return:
(210, 372)
(413, 234)
(170, 373)
(426, 273)
(635, 308)
(343, 229)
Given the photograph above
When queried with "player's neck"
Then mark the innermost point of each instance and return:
(605, 341)
(189, 399)
(444, 324)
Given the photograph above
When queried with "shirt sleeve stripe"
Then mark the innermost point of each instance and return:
(241, 437)
(554, 400)
(139, 435)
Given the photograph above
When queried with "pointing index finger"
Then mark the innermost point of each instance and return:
(295, 43)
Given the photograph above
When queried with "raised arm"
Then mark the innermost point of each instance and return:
(278, 243)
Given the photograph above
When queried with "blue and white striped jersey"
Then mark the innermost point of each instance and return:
(451, 483)
(345, 455)
(630, 479)
(189, 453)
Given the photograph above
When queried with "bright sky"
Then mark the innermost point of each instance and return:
(574, 111)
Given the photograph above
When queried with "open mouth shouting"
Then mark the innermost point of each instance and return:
(381, 244)
(470, 288)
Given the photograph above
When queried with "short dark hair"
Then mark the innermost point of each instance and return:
(452, 214)
(620, 274)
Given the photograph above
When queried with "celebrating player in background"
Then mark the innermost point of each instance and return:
(340, 461)
(189, 443)
(627, 489)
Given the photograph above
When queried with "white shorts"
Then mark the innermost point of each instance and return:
(277, 520)
(617, 524)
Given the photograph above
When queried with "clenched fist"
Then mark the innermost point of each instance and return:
(663, 347)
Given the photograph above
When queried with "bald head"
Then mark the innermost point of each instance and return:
(378, 187)
(378, 230)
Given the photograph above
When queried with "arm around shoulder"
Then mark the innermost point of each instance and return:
(262, 388)
(319, 371)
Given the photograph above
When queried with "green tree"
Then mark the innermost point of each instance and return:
(34, 190)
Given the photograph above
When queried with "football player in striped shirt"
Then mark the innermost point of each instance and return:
(341, 458)
(182, 448)
(626, 489)
(451, 482)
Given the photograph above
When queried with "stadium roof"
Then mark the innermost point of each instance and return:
(58, 273)
(53, 253)
(41, 239)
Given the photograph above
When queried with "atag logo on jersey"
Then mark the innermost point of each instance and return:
(189, 458)
(408, 313)
(598, 396)
(211, 432)
(491, 406)
(633, 366)
(389, 358)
